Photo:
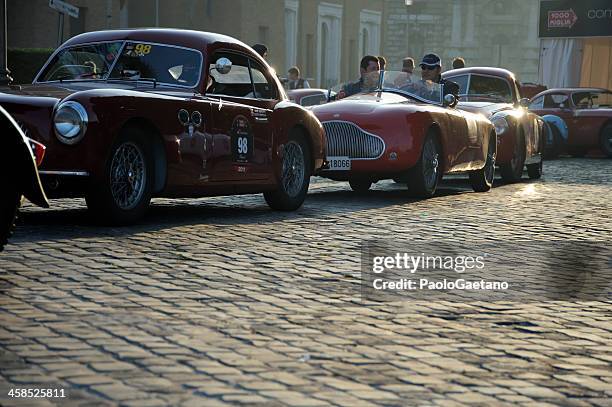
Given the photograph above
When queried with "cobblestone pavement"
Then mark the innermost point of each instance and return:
(220, 301)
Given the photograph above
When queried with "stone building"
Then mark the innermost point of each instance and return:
(326, 39)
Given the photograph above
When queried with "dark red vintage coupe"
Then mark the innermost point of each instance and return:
(404, 129)
(494, 92)
(127, 115)
(587, 113)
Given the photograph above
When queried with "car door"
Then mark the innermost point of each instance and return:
(240, 128)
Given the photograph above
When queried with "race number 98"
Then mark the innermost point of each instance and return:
(243, 145)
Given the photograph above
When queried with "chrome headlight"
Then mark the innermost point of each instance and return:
(70, 122)
(501, 125)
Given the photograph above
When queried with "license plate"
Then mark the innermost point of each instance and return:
(339, 163)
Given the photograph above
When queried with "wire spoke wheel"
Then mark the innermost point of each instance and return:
(430, 163)
(128, 174)
(293, 169)
(490, 164)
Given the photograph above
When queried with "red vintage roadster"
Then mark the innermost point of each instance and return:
(405, 129)
(127, 115)
(587, 113)
(494, 92)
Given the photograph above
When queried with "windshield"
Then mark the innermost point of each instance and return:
(162, 63)
(136, 61)
(82, 62)
(483, 88)
(592, 99)
(393, 81)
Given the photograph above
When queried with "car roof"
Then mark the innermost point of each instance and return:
(569, 90)
(485, 70)
(186, 38)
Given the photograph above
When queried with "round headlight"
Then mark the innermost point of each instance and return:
(70, 122)
(501, 125)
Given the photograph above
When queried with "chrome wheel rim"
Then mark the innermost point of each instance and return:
(128, 174)
(293, 169)
(430, 163)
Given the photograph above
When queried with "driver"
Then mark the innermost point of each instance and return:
(369, 68)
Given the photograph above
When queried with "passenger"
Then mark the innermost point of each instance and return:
(369, 67)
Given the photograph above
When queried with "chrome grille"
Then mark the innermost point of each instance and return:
(346, 139)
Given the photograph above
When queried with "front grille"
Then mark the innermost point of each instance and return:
(346, 139)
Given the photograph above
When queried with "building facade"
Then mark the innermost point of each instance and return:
(325, 39)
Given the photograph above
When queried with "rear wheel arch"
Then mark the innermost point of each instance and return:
(300, 129)
(160, 167)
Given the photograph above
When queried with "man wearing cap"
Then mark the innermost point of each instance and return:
(431, 67)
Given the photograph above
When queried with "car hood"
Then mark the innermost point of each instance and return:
(367, 104)
(486, 108)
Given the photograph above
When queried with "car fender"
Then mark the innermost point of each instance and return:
(17, 158)
(288, 116)
(559, 123)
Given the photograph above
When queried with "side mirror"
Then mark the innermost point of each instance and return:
(449, 99)
(223, 66)
(524, 102)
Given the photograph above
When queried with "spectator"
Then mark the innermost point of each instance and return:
(382, 62)
(369, 66)
(295, 81)
(458, 63)
(261, 49)
(408, 65)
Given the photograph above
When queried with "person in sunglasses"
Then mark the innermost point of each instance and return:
(431, 68)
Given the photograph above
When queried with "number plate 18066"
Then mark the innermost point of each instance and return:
(339, 163)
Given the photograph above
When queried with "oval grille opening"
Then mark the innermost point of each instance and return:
(346, 139)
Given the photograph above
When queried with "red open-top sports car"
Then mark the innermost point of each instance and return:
(131, 114)
(404, 129)
(495, 93)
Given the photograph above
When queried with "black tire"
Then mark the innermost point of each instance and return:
(552, 152)
(293, 185)
(535, 170)
(9, 208)
(424, 177)
(398, 180)
(513, 171)
(482, 179)
(605, 140)
(360, 185)
(129, 164)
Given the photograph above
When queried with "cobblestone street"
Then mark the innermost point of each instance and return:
(220, 301)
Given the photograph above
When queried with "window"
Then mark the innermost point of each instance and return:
(462, 81)
(237, 82)
(490, 88)
(163, 63)
(592, 100)
(537, 103)
(264, 89)
(82, 62)
(555, 101)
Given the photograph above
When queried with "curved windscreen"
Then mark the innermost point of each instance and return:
(126, 61)
(408, 85)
